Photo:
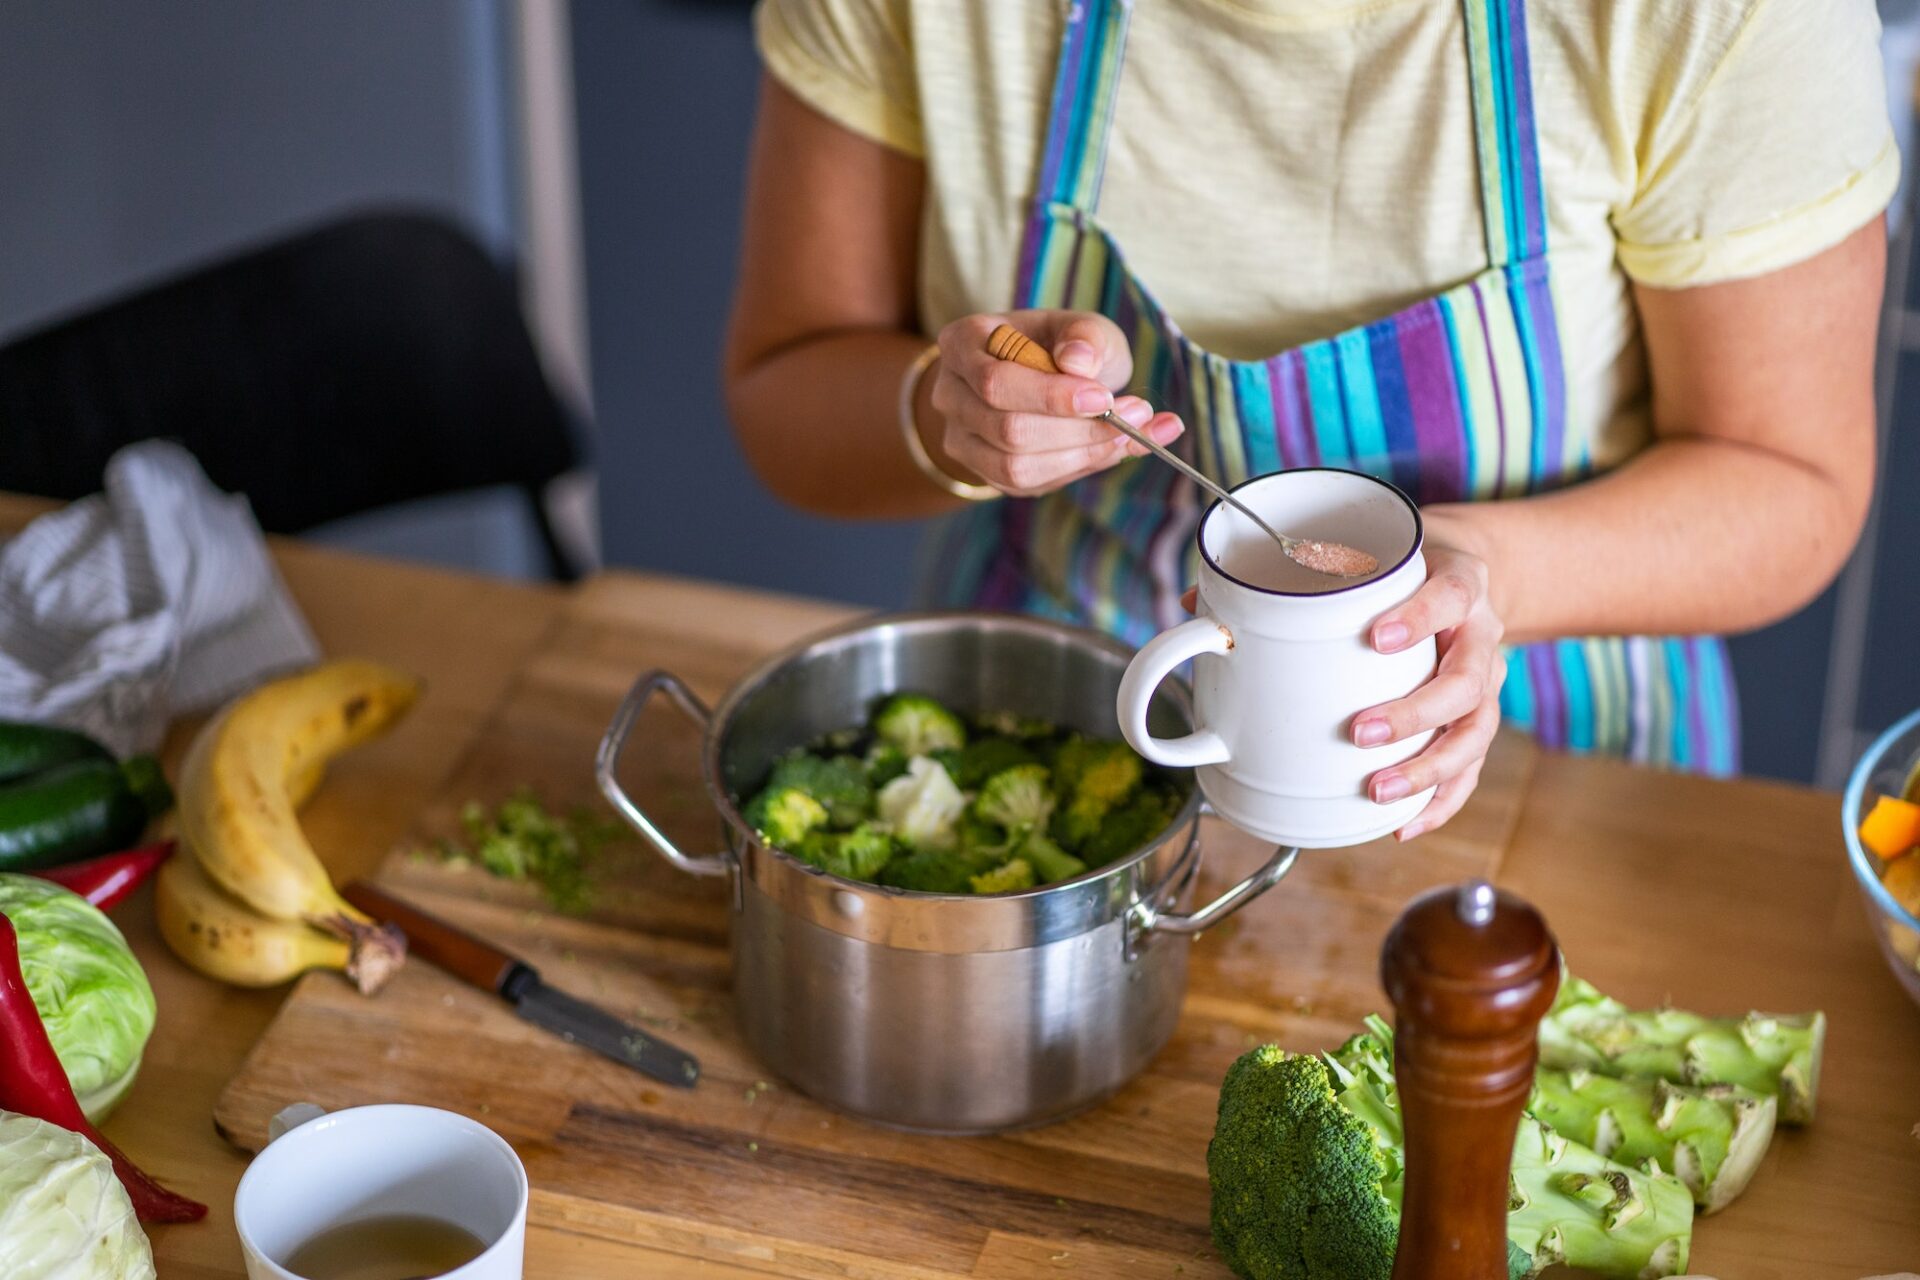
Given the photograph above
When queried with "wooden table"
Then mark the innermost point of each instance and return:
(1579, 837)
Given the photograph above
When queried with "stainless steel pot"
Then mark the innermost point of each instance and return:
(933, 1012)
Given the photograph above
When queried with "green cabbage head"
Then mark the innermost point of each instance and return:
(63, 1215)
(90, 991)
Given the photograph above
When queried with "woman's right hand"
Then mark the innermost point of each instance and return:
(1025, 432)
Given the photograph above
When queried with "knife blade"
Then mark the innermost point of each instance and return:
(484, 965)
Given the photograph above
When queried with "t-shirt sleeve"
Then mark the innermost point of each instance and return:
(850, 60)
(1778, 147)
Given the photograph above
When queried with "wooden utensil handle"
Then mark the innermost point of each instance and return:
(458, 952)
(1008, 343)
(1470, 973)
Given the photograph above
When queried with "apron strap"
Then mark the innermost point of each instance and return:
(1512, 203)
(1085, 82)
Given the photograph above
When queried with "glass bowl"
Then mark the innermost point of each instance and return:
(1884, 770)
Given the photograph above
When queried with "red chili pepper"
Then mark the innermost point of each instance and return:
(108, 880)
(33, 1083)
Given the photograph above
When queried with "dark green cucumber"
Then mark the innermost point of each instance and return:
(78, 809)
(29, 748)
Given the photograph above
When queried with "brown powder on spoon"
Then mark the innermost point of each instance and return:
(1335, 559)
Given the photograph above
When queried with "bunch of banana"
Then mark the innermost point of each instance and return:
(252, 905)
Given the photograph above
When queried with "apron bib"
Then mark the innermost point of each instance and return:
(1461, 397)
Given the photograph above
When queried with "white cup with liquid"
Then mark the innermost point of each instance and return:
(325, 1170)
(1282, 663)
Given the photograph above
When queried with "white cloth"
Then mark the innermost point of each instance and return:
(152, 599)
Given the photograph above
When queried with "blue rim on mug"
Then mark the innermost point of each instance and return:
(1419, 534)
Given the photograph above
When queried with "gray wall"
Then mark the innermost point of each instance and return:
(136, 138)
(665, 94)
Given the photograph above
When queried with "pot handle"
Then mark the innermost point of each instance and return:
(615, 741)
(1150, 917)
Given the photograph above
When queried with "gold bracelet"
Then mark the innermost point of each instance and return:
(917, 448)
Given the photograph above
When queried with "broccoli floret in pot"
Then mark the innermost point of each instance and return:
(838, 782)
(918, 725)
(784, 815)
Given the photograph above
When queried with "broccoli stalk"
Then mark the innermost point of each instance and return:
(1307, 1168)
(1051, 864)
(1771, 1055)
(1711, 1138)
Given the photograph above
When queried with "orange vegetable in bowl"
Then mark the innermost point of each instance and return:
(1891, 828)
(1902, 879)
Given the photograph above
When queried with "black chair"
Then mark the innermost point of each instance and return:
(375, 360)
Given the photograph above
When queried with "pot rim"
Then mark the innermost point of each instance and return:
(741, 834)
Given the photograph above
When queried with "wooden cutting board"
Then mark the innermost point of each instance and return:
(742, 1176)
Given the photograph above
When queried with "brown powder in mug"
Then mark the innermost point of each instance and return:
(1335, 559)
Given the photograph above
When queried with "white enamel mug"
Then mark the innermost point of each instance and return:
(324, 1169)
(1282, 664)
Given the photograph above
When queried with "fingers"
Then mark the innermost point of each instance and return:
(1088, 346)
(1190, 599)
(1469, 676)
(1446, 802)
(1014, 388)
(1451, 755)
(1443, 601)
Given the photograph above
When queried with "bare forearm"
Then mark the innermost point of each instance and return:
(819, 421)
(1694, 535)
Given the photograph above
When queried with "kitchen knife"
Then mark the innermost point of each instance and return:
(491, 969)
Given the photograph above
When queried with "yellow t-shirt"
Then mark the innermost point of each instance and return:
(1281, 170)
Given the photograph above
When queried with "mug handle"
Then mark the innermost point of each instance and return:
(1153, 664)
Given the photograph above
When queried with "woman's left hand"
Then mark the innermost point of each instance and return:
(1462, 700)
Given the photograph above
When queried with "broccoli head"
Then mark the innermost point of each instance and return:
(884, 762)
(981, 758)
(784, 815)
(1016, 798)
(917, 724)
(1128, 827)
(1091, 777)
(1298, 1178)
(1051, 863)
(1010, 876)
(923, 806)
(938, 871)
(837, 782)
(858, 854)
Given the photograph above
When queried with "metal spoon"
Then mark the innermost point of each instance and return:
(1335, 559)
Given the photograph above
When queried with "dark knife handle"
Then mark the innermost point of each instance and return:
(458, 952)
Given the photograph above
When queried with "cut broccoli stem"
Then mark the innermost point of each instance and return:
(1010, 877)
(1711, 1138)
(1777, 1055)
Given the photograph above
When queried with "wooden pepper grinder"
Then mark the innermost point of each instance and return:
(1470, 971)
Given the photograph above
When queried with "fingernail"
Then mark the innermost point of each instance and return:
(1091, 400)
(1078, 357)
(1136, 412)
(1390, 787)
(1371, 733)
(1169, 431)
(1389, 636)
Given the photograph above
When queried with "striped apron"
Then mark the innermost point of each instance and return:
(1460, 397)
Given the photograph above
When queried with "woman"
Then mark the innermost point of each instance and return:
(1596, 283)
